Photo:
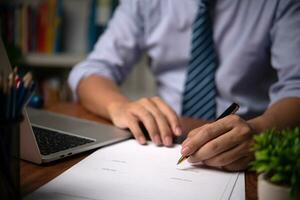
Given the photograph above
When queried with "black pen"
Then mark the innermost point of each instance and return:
(230, 110)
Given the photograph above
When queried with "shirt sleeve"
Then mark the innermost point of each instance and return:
(285, 50)
(116, 50)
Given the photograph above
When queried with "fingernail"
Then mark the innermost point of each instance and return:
(142, 140)
(185, 151)
(178, 131)
(195, 163)
(168, 141)
(157, 140)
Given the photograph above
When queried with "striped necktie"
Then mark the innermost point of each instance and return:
(199, 94)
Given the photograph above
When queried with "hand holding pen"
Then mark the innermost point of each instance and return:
(225, 143)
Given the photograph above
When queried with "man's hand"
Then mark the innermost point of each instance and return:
(225, 144)
(158, 118)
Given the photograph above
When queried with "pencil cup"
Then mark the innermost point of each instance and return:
(10, 160)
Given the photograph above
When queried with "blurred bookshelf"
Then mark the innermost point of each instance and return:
(58, 60)
(54, 26)
(49, 37)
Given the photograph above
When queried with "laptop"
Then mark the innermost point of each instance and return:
(46, 136)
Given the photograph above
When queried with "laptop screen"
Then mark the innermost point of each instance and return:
(4, 61)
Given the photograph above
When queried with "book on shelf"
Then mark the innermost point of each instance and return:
(32, 28)
(49, 26)
(53, 33)
(54, 26)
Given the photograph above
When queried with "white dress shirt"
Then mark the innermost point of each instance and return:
(257, 43)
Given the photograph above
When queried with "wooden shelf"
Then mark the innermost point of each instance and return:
(62, 60)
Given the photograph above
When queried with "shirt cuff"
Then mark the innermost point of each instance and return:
(83, 70)
(285, 93)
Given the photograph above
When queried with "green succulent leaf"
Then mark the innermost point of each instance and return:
(277, 153)
(277, 178)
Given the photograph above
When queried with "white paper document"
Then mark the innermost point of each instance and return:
(238, 192)
(130, 171)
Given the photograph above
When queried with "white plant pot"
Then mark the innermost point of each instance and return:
(269, 191)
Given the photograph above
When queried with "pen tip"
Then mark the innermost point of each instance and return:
(181, 160)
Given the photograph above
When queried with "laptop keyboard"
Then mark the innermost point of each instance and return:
(50, 141)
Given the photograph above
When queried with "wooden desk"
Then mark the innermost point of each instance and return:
(33, 176)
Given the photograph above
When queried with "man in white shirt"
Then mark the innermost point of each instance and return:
(257, 44)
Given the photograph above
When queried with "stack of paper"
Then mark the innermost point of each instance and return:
(131, 171)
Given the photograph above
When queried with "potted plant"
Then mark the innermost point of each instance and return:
(277, 160)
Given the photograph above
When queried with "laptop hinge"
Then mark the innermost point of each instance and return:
(29, 147)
